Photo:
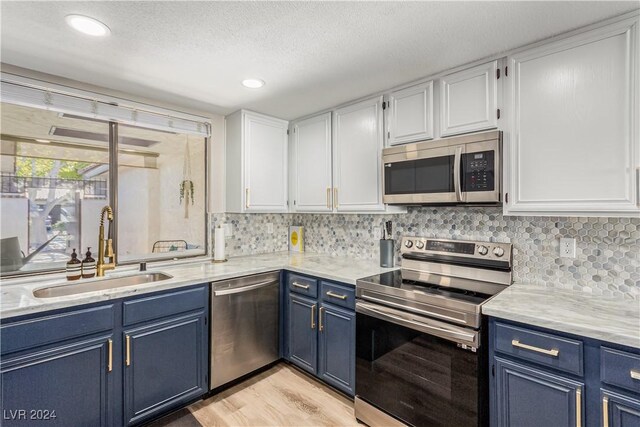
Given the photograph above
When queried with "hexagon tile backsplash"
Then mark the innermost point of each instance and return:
(607, 249)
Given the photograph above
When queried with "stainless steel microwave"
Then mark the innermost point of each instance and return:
(458, 170)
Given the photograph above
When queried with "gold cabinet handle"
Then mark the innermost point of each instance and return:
(328, 197)
(553, 352)
(110, 361)
(605, 411)
(313, 316)
(246, 198)
(320, 326)
(334, 295)
(634, 374)
(578, 407)
(128, 358)
(298, 285)
(335, 197)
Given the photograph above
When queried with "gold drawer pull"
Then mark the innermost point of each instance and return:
(605, 411)
(328, 197)
(334, 295)
(298, 285)
(579, 407)
(634, 374)
(320, 326)
(246, 198)
(110, 362)
(313, 316)
(335, 197)
(554, 352)
(128, 358)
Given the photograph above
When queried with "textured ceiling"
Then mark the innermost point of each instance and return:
(313, 55)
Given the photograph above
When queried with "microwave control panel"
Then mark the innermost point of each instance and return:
(478, 171)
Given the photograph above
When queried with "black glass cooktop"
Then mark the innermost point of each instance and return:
(394, 279)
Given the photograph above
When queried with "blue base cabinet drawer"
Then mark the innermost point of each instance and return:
(339, 295)
(163, 305)
(549, 350)
(620, 368)
(303, 285)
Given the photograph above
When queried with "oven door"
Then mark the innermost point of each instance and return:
(417, 369)
(425, 176)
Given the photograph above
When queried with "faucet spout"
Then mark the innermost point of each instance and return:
(105, 247)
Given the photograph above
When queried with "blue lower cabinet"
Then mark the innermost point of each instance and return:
(619, 410)
(337, 335)
(302, 328)
(67, 385)
(165, 367)
(529, 397)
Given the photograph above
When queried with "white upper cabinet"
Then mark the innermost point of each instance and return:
(410, 114)
(469, 100)
(573, 125)
(313, 190)
(357, 147)
(256, 163)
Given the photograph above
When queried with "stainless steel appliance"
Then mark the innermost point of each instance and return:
(244, 326)
(458, 170)
(421, 350)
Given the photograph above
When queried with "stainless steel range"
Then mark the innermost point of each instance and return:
(421, 350)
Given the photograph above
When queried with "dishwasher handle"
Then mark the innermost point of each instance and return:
(246, 288)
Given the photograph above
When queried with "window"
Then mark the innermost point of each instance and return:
(56, 176)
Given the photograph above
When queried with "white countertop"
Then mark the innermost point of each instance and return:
(579, 313)
(16, 295)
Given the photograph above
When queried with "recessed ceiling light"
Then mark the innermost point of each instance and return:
(46, 141)
(87, 25)
(253, 83)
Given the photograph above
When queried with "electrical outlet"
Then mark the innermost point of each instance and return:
(228, 230)
(567, 247)
(270, 228)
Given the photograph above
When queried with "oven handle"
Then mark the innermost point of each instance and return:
(393, 316)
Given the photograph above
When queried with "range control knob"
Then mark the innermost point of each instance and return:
(498, 252)
(408, 243)
(482, 250)
(419, 244)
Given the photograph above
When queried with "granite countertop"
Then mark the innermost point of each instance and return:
(579, 313)
(16, 295)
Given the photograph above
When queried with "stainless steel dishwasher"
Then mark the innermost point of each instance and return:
(244, 327)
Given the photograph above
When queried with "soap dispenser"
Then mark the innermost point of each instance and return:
(74, 267)
(88, 266)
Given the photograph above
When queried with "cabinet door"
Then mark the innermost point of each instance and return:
(529, 397)
(265, 165)
(312, 145)
(337, 332)
(469, 99)
(357, 149)
(619, 410)
(303, 339)
(411, 114)
(165, 366)
(70, 385)
(572, 146)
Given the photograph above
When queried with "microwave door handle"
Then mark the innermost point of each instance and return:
(457, 162)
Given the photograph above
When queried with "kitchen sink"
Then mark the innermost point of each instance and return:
(99, 285)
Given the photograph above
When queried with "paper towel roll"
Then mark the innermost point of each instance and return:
(218, 245)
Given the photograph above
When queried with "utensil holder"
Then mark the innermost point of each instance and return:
(387, 252)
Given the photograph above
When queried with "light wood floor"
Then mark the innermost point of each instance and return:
(280, 396)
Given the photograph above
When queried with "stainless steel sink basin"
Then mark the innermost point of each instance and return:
(99, 285)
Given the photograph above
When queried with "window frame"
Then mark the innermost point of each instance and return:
(113, 202)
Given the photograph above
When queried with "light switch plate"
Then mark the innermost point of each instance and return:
(270, 228)
(228, 230)
(567, 247)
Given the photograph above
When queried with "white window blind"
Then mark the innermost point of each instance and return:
(38, 94)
